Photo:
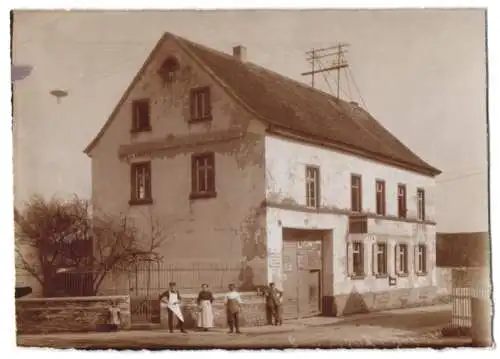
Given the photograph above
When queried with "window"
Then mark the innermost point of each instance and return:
(402, 201)
(140, 116)
(356, 193)
(380, 259)
(401, 259)
(380, 197)
(356, 259)
(421, 259)
(312, 186)
(420, 204)
(140, 183)
(200, 104)
(169, 69)
(203, 176)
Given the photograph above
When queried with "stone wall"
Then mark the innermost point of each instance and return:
(253, 311)
(71, 314)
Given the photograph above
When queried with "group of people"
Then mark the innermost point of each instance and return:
(171, 300)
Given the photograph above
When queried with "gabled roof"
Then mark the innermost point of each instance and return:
(288, 105)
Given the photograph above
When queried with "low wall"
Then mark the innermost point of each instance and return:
(364, 302)
(71, 314)
(253, 312)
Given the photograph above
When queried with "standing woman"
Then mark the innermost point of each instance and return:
(205, 300)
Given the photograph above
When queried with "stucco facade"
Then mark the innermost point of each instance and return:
(202, 231)
(286, 161)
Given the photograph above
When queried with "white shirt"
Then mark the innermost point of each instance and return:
(234, 296)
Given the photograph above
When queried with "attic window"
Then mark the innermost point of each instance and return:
(168, 69)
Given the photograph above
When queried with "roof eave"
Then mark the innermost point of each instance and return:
(280, 130)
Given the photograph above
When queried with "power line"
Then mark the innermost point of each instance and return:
(466, 175)
(351, 75)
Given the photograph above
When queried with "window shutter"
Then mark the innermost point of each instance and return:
(415, 258)
(353, 195)
(350, 264)
(149, 193)
(208, 102)
(133, 183)
(192, 104)
(193, 175)
(375, 259)
(211, 174)
(397, 260)
(426, 260)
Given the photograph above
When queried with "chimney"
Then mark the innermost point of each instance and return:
(240, 52)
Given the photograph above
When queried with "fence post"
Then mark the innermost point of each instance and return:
(481, 322)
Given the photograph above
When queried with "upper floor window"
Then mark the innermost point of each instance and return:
(380, 259)
(421, 259)
(203, 175)
(401, 258)
(312, 186)
(380, 197)
(140, 116)
(356, 193)
(200, 105)
(401, 201)
(169, 69)
(420, 204)
(140, 182)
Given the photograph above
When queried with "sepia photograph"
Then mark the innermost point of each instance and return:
(251, 179)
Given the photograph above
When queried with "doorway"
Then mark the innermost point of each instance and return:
(302, 273)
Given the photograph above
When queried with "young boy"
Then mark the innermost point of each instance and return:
(233, 307)
(114, 317)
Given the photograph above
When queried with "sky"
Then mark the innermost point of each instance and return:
(421, 73)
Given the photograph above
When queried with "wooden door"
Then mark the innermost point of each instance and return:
(314, 292)
(290, 280)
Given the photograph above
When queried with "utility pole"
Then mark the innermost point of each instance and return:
(338, 63)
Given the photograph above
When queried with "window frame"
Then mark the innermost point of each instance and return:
(422, 271)
(384, 252)
(134, 190)
(210, 178)
(380, 198)
(360, 252)
(402, 201)
(169, 69)
(398, 249)
(137, 122)
(359, 202)
(194, 106)
(312, 185)
(421, 204)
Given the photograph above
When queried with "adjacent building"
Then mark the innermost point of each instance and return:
(244, 166)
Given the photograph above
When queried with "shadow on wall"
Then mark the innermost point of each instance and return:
(246, 278)
(354, 303)
(341, 305)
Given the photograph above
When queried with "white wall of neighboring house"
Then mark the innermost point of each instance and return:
(285, 182)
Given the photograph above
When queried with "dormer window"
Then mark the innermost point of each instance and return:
(168, 69)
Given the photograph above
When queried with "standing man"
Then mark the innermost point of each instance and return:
(172, 299)
(233, 307)
(273, 304)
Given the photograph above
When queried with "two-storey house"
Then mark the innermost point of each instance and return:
(243, 165)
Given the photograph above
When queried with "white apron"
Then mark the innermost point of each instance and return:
(173, 305)
(206, 315)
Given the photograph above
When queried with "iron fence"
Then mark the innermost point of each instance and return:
(144, 283)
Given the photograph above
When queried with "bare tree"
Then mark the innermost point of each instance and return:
(65, 237)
